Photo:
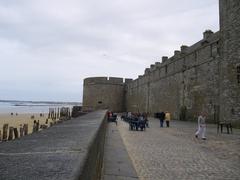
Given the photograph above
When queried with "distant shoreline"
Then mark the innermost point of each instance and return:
(29, 105)
(20, 107)
(19, 102)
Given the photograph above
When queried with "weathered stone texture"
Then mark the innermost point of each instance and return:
(230, 53)
(189, 80)
(103, 93)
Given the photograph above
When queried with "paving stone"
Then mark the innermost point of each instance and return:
(175, 153)
(117, 164)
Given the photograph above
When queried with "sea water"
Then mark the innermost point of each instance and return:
(30, 107)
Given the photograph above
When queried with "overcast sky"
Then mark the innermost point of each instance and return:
(47, 47)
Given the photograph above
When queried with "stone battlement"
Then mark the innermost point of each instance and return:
(106, 80)
(210, 40)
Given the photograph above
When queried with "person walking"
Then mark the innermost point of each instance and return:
(167, 119)
(145, 116)
(201, 126)
(161, 118)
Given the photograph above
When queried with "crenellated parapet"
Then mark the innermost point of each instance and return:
(206, 34)
(187, 56)
(184, 49)
(128, 80)
(92, 80)
(107, 80)
(104, 80)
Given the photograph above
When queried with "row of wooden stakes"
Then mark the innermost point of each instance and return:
(56, 115)
(10, 133)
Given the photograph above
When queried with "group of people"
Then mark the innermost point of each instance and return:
(164, 116)
(112, 117)
(136, 120)
(201, 129)
(142, 118)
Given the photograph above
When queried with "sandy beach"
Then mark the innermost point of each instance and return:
(17, 113)
(20, 119)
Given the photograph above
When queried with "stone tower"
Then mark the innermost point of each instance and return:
(230, 60)
(104, 93)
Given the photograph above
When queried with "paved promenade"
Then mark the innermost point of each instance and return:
(117, 164)
(175, 153)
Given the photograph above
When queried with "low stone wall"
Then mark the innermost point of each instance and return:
(92, 167)
(70, 150)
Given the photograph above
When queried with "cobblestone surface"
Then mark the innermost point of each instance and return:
(175, 153)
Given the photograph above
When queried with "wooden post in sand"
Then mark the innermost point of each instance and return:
(52, 113)
(69, 113)
(58, 113)
(34, 126)
(0, 136)
(37, 125)
(21, 130)
(15, 133)
(5, 132)
(25, 129)
(55, 114)
(10, 135)
(49, 114)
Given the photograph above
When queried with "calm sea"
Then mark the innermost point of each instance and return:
(31, 107)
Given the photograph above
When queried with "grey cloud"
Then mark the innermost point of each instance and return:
(53, 45)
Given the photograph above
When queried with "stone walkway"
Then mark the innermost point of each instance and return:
(117, 164)
(175, 153)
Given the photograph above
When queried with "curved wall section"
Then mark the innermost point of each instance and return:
(103, 93)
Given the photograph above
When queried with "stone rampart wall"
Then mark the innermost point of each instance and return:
(230, 65)
(92, 167)
(189, 78)
(203, 77)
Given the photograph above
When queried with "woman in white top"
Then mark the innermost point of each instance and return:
(201, 126)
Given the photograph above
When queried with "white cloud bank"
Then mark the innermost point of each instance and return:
(48, 47)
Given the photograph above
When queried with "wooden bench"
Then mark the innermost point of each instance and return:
(228, 126)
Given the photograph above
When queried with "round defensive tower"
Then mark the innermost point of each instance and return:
(103, 93)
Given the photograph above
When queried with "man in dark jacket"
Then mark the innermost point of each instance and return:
(161, 117)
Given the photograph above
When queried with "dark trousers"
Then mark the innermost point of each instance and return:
(167, 123)
(147, 125)
(161, 122)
